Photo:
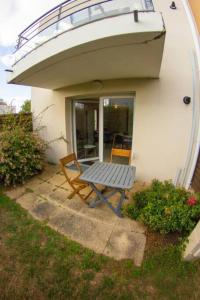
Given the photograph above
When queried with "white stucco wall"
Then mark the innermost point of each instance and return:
(49, 111)
(162, 123)
(192, 250)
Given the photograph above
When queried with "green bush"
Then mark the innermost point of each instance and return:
(21, 155)
(165, 208)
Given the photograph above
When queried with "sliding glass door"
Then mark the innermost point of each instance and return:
(101, 124)
(86, 129)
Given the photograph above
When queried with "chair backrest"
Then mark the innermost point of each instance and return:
(121, 153)
(117, 139)
(69, 159)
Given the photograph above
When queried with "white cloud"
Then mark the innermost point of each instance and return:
(8, 60)
(16, 15)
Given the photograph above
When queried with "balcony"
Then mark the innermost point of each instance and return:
(80, 41)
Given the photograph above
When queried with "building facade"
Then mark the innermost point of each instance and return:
(126, 70)
(5, 108)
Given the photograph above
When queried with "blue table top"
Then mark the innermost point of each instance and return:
(110, 175)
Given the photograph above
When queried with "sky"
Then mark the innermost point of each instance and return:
(16, 15)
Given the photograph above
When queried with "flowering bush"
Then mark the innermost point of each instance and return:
(192, 201)
(165, 208)
(21, 155)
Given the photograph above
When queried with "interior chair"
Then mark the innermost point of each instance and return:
(118, 140)
(77, 184)
(121, 153)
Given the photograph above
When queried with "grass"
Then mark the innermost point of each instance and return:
(38, 263)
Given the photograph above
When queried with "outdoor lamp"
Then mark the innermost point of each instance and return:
(186, 100)
(173, 5)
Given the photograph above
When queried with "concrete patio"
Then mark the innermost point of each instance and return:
(46, 198)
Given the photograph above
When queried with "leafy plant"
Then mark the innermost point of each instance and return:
(21, 154)
(165, 208)
(21, 150)
(11, 121)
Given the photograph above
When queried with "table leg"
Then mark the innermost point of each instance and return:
(104, 199)
(98, 199)
(119, 206)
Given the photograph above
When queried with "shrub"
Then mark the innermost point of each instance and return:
(21, 155)
(11, 121)
(165, 208)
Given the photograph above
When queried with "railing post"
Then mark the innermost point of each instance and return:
(149, 5)
(90, 13)
(18, 42)
(59, 14)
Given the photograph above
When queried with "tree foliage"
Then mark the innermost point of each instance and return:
(26, 106)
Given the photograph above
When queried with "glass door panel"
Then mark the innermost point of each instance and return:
(86, 114)
(118, 126)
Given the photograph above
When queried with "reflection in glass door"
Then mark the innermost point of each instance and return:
(86, 129)
(117, 126)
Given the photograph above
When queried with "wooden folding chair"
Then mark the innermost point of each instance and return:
(76, 184)
(120, 153)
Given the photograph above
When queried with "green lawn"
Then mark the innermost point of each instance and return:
(38, 263)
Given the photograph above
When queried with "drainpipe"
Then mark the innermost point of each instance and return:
(135, 13)
(196, 139)
(195, 133)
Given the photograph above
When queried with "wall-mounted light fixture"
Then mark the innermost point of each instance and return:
(135, 13)
(187, 100)
(97, 84)
(173, 5)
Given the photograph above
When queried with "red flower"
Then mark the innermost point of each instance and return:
(192, 201)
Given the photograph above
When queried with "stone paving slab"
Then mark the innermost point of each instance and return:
(90, 233)
(125, 244)
(101, 213)
(96, 228)
(49, 171)
(28, 201)
(17, 192)
(57, 180)
(44, 210)
(60, 196)
(44, 189)
(131, 225)
(33, 183)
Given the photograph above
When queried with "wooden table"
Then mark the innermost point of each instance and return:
(115, 176)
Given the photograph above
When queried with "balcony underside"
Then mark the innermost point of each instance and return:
(108, 49)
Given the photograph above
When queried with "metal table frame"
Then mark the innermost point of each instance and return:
(116, 177)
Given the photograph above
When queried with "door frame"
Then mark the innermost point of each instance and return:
(101, 122)
(74, 128)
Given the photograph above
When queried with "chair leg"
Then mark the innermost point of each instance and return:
(77, 191)
(88, 195)
(81, 197)
(71, 195)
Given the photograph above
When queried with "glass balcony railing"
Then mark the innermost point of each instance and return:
(72, 14)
